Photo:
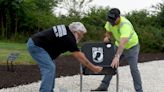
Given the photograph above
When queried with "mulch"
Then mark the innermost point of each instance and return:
(65, 66)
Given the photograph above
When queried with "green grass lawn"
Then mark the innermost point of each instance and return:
(24, 58)
(7, 48)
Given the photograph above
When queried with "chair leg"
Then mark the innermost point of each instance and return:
(81, 82)
(81, 78)
(117, 81)
(12, 66)
(7, 65)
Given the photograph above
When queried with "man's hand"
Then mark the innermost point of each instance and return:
(97, 69)
(83, 60)
(106, 40)
(107, 37)
(115, 62)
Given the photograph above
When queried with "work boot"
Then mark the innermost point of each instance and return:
(100, 89)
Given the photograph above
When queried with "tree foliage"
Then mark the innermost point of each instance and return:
(74, 7)
(160, 18)
(150, 33)
(21, 18)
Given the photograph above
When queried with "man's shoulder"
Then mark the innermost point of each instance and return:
(125, 20)
(107, 25)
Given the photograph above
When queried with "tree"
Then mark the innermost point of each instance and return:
(139, 18)
(45, 5)
(160, 12)
(8, 16)
(95, 21)
(17, 16)
(74, 7)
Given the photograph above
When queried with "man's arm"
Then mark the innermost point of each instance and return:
(81, 57)
(115, 62)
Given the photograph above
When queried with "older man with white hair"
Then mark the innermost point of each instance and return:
(47, 45)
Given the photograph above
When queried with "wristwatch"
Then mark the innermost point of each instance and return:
(117, 55)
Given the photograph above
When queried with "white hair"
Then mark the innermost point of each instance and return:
(77, 26)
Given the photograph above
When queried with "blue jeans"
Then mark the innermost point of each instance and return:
(131, 55)
(46, 65)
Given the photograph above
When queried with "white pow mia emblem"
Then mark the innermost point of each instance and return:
(97, 54)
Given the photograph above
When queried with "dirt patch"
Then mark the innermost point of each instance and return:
(66, 66)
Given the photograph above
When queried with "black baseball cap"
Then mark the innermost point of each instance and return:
(112, 15)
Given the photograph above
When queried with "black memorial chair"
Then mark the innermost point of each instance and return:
(100, 54)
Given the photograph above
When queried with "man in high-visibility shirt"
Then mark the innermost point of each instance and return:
(127, 47)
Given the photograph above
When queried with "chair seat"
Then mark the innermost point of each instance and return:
(105, 71)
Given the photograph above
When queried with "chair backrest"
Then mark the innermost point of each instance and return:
(100, 54)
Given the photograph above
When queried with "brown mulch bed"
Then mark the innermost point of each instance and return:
(66, 66)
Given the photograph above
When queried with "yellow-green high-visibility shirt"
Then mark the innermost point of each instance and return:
(123, 29)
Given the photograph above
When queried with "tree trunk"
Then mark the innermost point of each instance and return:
(16, 26)
(2, 23)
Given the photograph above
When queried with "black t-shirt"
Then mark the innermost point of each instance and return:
(56, 40)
